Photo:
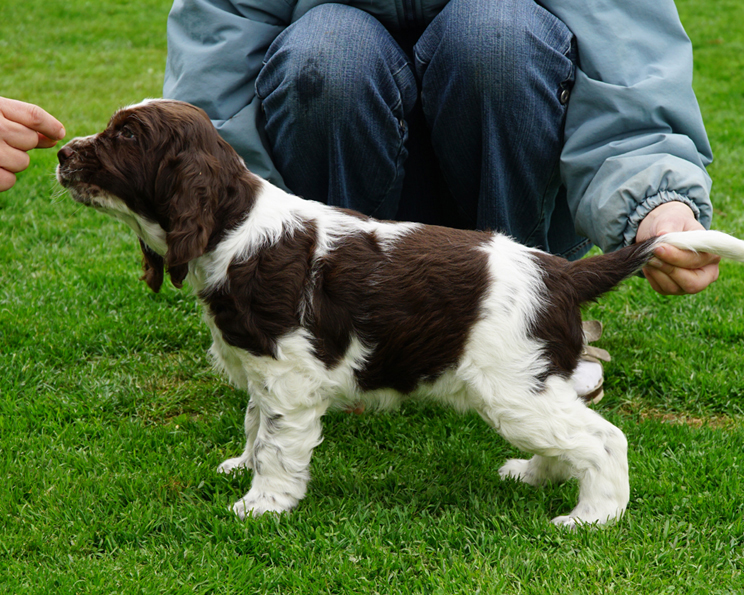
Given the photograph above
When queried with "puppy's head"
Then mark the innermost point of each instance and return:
(160, 167)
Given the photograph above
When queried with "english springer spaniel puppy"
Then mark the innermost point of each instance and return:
(312, 307)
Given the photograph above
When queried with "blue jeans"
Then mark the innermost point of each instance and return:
(460, 124)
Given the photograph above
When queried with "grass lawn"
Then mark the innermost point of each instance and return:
(112, 423)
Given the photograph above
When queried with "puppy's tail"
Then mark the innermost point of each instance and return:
(594, 276)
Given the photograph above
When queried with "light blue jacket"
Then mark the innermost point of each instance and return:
(634, 133)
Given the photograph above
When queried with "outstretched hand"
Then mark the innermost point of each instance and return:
(673, 271)
(23, 126)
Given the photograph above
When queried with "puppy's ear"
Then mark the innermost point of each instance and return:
(152, 264)
(190, 212)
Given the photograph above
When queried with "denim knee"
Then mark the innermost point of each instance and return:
(492, 47)
(494, 83)
(335, 90)
(324, 65)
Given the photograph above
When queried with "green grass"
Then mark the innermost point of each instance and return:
(112, 422)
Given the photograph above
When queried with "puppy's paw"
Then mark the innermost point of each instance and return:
(568, 522)
(256, 503)
(521, 470)
(590, 515)
(237, 464)
(514, 468)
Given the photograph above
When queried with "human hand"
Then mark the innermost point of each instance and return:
(23, 126)
(673, 271)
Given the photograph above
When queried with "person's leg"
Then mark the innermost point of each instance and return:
(495, 79)
(336, 89)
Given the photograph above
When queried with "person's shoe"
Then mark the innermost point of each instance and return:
(588, 377)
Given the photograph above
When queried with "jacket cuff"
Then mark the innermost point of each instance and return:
(648, 205)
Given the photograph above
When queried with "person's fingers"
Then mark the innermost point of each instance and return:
(677, 272)
(7, 180)
(12, 159)
(671, 280)
(23, 126)
(652, 282)
(661, 282)
(672, 271)
(684, 258)
(695, 280)
(33, 117)
(17, 135)
(661, 266)
(45, 142)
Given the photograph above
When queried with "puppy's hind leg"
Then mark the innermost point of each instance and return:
(245, 460)
(570, 440)
(280, 458)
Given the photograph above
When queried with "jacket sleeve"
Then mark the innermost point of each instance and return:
(215, 51)
(634, 135)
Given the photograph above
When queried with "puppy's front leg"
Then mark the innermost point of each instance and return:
(280, 458)
(245, 460)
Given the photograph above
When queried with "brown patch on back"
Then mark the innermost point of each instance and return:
(413, 304)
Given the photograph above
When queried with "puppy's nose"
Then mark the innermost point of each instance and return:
(64, 154)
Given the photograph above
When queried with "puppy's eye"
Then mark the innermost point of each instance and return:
(126, 132)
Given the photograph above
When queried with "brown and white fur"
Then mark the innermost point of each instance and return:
(312, 307)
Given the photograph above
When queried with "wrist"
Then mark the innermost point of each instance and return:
(674, 214)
